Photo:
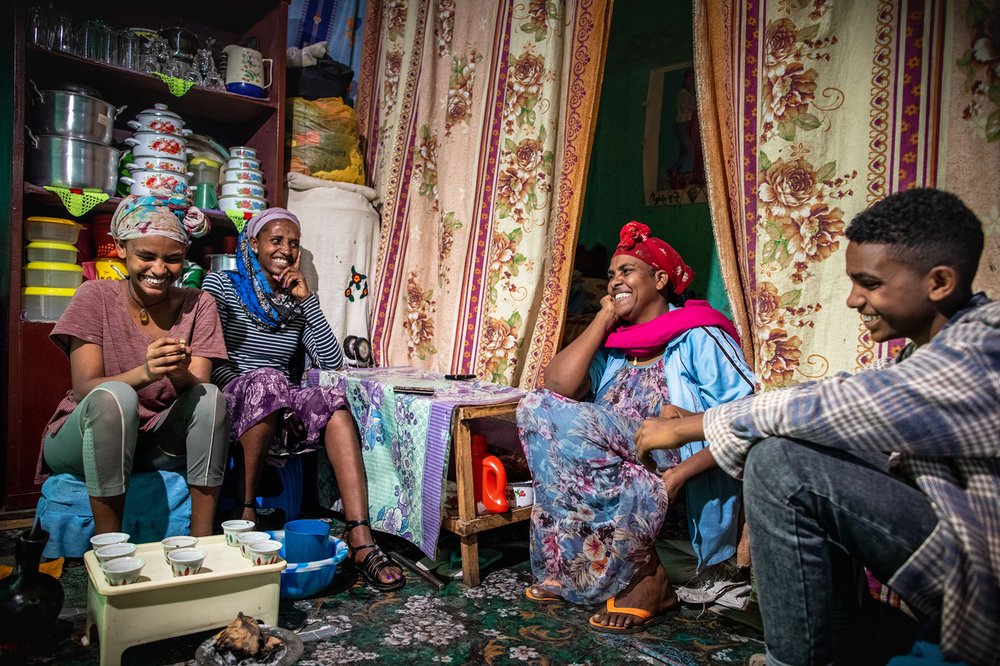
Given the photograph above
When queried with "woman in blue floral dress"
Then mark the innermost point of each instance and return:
(597, 510)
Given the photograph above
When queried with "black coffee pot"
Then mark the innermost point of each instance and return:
(30, 600)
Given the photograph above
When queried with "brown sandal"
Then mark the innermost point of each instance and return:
(375, 561)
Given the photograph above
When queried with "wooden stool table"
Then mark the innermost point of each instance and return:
(411, 421)
(466, 524)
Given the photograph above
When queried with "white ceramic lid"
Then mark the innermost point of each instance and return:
(160, 109)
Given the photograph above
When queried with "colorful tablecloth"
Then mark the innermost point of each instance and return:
(406, 441)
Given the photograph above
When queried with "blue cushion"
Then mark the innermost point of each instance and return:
(157, 505)
(924, 653)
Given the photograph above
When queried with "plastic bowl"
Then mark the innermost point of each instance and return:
(301, 580)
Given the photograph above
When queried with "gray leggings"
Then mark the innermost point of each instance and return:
(101, 440)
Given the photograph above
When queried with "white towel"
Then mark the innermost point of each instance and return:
(340, 235)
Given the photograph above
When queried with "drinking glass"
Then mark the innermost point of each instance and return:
(128, 49)
(39, 27)
(97, 41)
(64, 37)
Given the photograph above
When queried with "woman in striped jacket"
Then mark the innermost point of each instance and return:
(271, 320)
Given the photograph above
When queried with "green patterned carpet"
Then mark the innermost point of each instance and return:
(490, 624)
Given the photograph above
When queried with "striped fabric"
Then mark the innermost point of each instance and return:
(940, 410)
(477, 119)
(250, 348)
(809, 113)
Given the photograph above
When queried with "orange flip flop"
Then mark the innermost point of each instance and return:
(538, 599)
(648, 619)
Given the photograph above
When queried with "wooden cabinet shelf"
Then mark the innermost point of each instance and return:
(36, 196)
(36, 373)
(133, 90)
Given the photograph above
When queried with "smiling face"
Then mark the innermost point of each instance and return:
(277, 247)
(636, 289)
(894, 299)
(153, 264)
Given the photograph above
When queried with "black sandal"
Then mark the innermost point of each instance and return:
(375, 561)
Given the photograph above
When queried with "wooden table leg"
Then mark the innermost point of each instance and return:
(466, 500)
(470, 560)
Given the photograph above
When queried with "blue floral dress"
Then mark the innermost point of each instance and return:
(597, 510)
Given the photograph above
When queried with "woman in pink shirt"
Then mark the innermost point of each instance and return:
(141, 353)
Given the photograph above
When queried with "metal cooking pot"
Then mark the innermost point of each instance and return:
(221, 262)
(71, 114)
(64, 162)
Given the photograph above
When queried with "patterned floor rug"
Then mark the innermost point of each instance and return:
(492, 623)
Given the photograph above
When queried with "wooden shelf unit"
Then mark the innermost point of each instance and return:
(36, 374)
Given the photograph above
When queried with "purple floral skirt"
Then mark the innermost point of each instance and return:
(305, 411)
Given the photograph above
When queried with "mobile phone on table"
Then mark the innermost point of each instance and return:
(469, 376)
(415, 390)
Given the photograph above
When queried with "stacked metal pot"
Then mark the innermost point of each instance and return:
(159, 153)
(69, 139)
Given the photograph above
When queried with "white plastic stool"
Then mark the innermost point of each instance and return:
(159, 606)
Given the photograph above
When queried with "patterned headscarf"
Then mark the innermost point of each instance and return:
(158, 215)
(269, 310)
(636, 242)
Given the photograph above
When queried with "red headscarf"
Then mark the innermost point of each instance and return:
(636, 242)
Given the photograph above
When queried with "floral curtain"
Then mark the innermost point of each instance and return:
(478, 118)
(812, 110)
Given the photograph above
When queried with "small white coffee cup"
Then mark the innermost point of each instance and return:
(246, 539)
(108, 538)
(265, 552)
(123, 570)
(186, 561)
(114, 551)
(233, 527)
(171, 544)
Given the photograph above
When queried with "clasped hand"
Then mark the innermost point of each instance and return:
(659, 432)
(167, 357)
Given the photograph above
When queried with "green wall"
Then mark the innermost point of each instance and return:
(644, 36)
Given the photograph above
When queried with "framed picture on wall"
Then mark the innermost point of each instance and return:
(673, 166)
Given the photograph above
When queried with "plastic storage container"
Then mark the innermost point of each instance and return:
(49, 251)
(44, 303)
(53, 274)
(110, 269)
(54, 229)
(204, 170)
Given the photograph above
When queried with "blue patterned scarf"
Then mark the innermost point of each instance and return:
(269, 310)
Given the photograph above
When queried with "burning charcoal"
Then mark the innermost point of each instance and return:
(242, 638)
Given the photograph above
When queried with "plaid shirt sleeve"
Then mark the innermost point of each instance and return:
(942, 401)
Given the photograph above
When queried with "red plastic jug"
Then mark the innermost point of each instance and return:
(489, 478)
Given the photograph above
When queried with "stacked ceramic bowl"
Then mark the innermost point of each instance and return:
(242, 187)
(159, 152)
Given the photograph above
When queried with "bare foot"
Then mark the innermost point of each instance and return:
(649, 590)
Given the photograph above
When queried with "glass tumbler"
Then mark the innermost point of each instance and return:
(39, 27)
(97, 41)
(128, 49)
(64, 37)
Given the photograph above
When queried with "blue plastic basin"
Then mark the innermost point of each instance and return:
(300, 580)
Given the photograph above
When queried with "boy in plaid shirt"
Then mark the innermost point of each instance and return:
(930, 526)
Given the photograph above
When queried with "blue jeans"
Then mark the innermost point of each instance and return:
(815, 515)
